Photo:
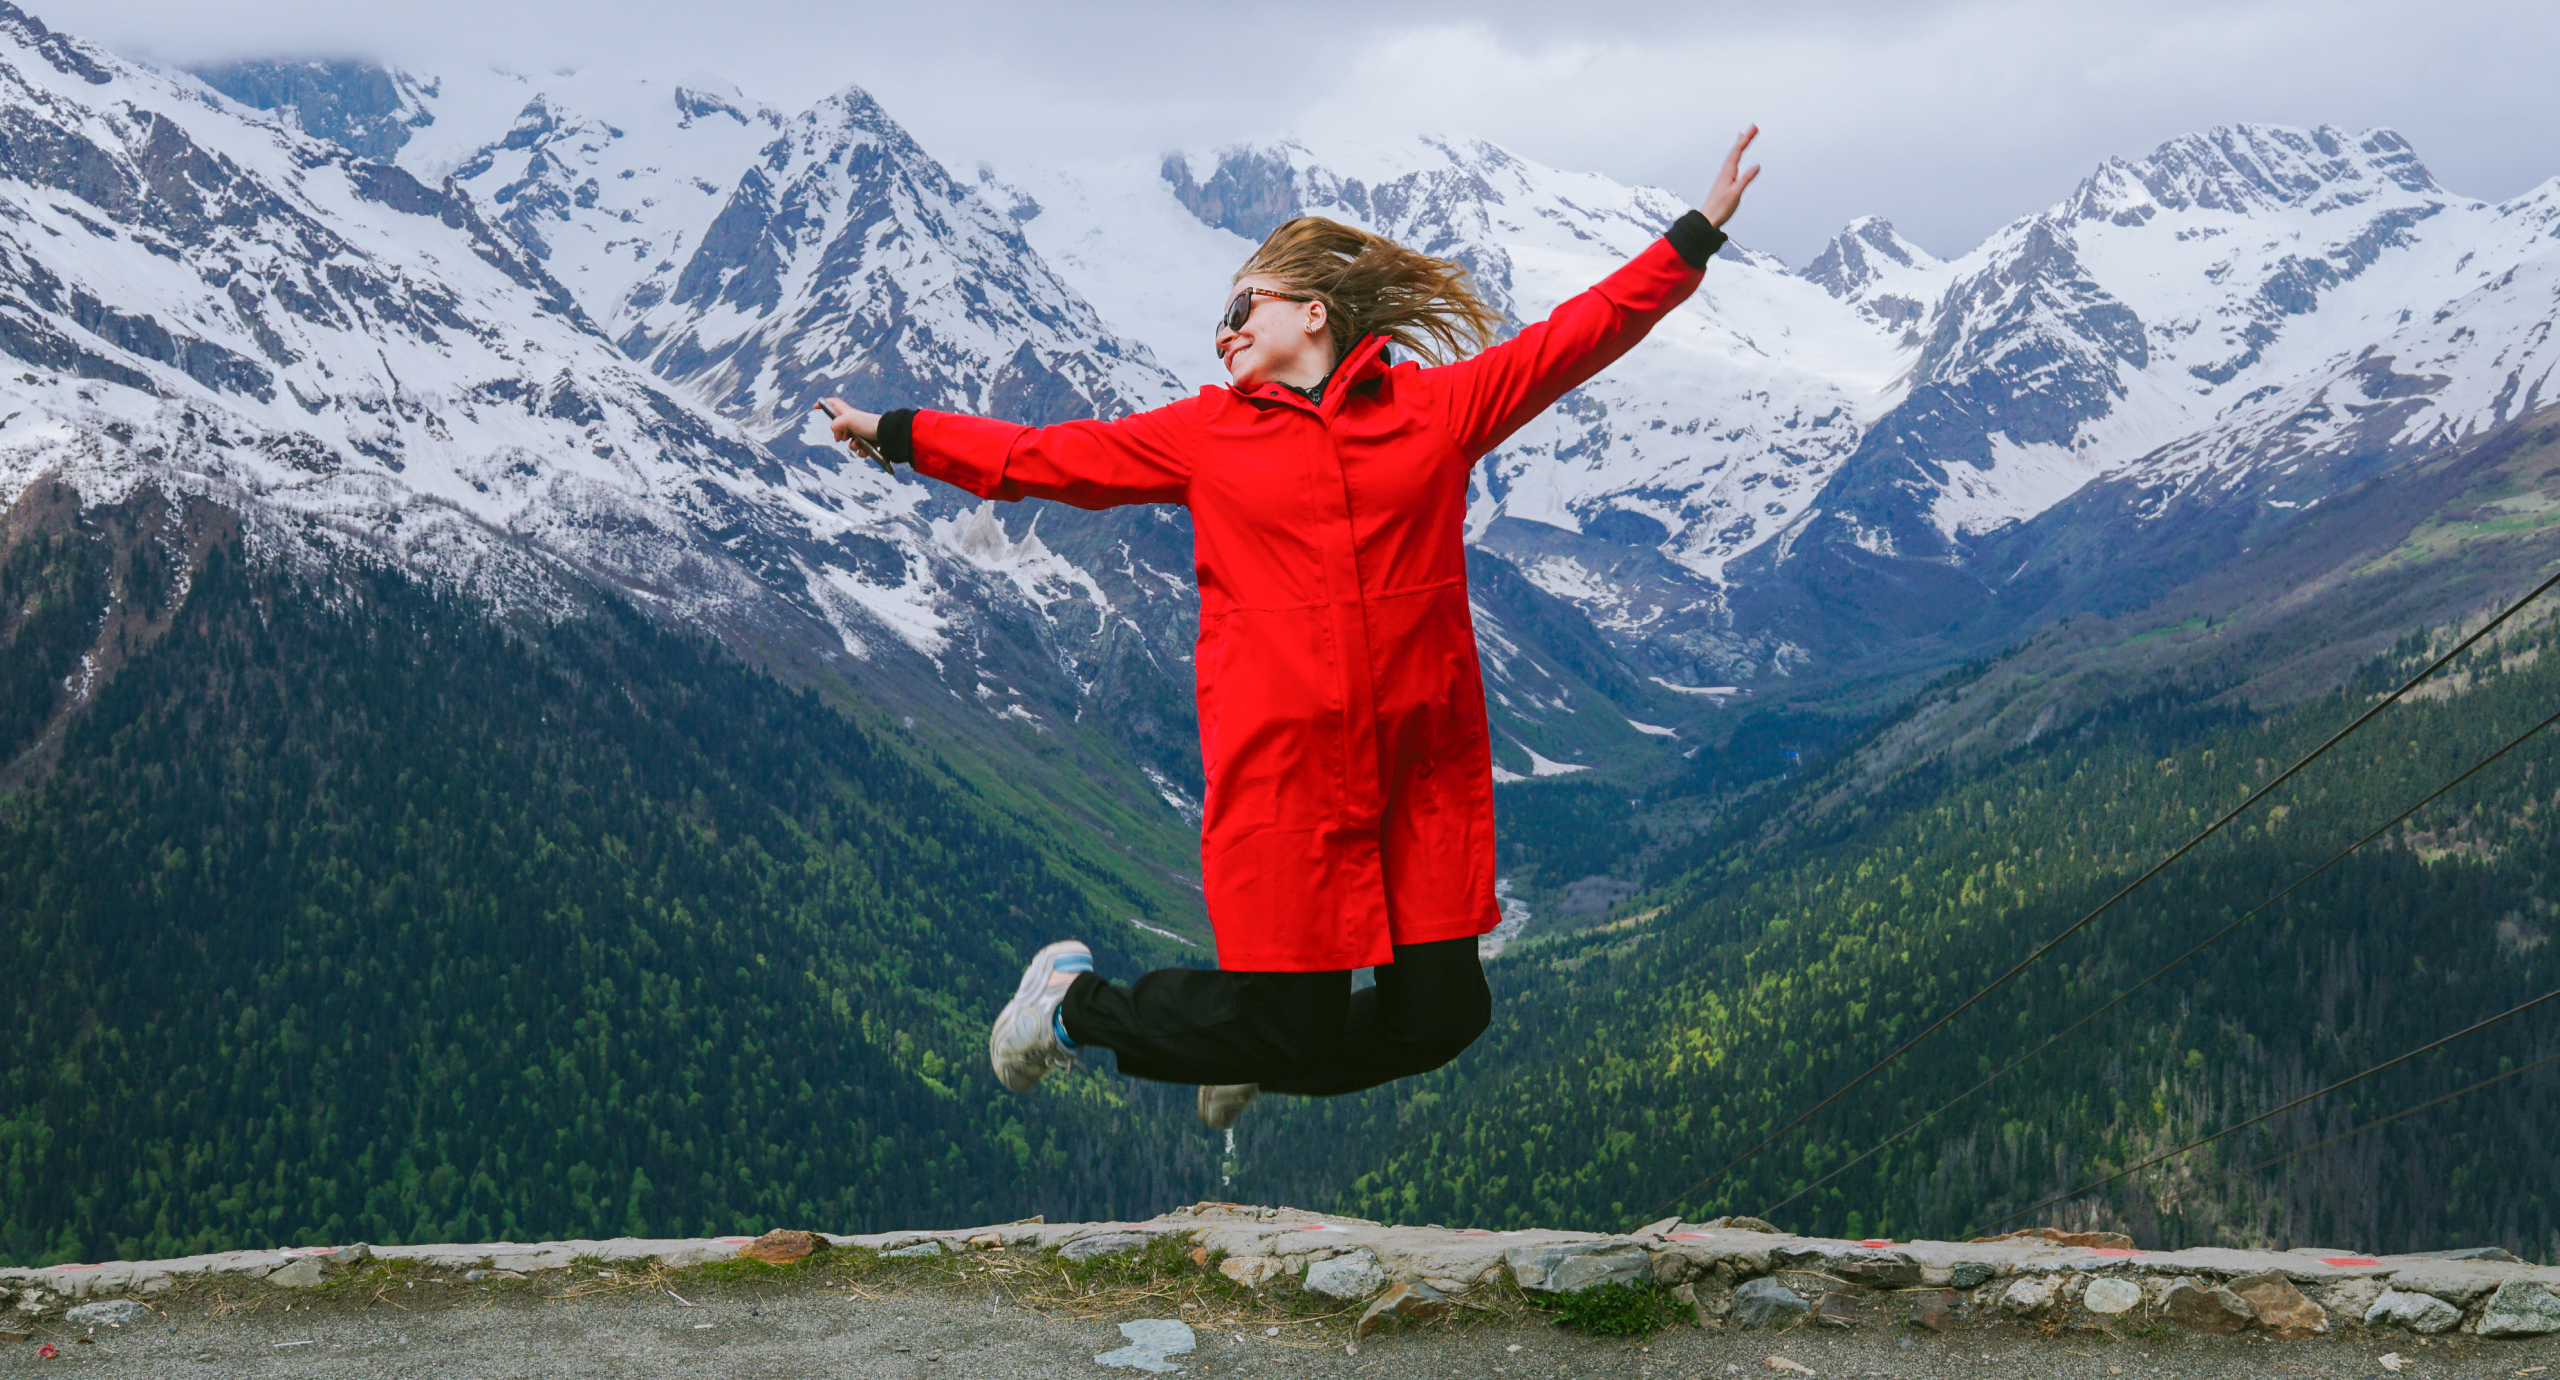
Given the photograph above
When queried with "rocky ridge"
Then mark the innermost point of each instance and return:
(1736, 1273)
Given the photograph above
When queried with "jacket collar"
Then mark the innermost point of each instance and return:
(1367, 360)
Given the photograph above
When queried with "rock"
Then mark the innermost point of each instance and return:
(2215, 1310)
(302, 1273)
(1404, 1302)
(1101, 1244)
(2489, 1253)
(2455, 1281)
(1347, 1277)
(2111, 1296)
(1972, 1274)
(1251, 1271)
(779, 1247)
(1670, 1268)
(2417, 1312)
(2029, 1296)
(2353, 1297)
(1709, 1301)
(2279, 1307)
(111, 1313)
(2096, 1240)
(1764, 1302)
(1840, 1307)
(917, 1250)
(1876, 1269)
(2520, 1308)
(491, 1277)
(1739, 1224)
(1151, 1340)
(1569, 1267)
(1936, 1309)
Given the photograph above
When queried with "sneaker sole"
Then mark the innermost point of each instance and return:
(1026, 993)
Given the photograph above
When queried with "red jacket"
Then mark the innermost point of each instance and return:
(1342, 715)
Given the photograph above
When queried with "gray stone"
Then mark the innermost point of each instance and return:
(1972, 1274)
(1347, 1277)
(2111, 1296)
(2213, 1309)
(1104, 1243)
(2455, 1281)
(2029, 1296)
(2353, 1297)
(2279, 1307)
(1151, 1340)
(2416, 1312)
(1569, 1267)
(1764, 1302)
(491, 1277)
(2520, 1308)
(299, 1274)
(111, 1313)
(931, 1248)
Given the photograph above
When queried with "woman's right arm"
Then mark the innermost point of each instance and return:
(1143, 458)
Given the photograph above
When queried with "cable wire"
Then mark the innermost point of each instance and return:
(2279, 1111)
(2371, 1125)
(2128, 889)
(2163, 971)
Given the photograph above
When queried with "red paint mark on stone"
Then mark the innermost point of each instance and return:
(1875, 1243)
(79, 1267)
(2112, 1253)
(2349, 1262)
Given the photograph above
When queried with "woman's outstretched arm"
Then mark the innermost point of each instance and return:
(1144, 458)
(1490, 395)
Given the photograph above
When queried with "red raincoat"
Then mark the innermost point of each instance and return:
(1342, 714)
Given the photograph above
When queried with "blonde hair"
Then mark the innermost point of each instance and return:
(1371, 285)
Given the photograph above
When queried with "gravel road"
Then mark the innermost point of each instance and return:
(480, 1333)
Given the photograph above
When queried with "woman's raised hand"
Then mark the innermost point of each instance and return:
(859, 431)
(1725, 197)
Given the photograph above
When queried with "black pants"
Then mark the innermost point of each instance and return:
(1305, 1033)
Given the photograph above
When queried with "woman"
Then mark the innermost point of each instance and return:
(1349, 815)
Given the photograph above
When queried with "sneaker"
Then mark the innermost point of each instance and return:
(1221, 1103)
(1024, 1046)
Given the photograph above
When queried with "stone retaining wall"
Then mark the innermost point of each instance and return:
(1735, 1272)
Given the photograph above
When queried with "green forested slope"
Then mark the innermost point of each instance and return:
(1628, 1062)
(339, 911)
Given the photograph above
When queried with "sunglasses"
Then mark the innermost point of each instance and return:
(1240, 306)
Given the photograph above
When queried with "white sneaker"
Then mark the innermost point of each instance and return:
(1024, 1046)
(1221, 1103)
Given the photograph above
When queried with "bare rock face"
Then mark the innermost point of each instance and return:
(2216, 1310)
(779, 1247)
(2520, 1308)
(1405, 1301)
(2280, 1308)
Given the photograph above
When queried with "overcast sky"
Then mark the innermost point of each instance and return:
(1947, 118)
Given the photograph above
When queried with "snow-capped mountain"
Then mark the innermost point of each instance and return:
(1797, 472)
(2216, 335)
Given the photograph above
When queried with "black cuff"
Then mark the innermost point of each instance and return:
(1695, 239)
(898, 436)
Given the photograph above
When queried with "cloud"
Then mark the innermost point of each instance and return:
(1948, 118)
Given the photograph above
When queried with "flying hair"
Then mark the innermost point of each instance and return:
(1371, 285)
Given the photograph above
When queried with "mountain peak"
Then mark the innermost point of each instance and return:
(2256, 167)
(1863, 253)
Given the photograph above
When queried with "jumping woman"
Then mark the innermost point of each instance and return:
(1349, 816)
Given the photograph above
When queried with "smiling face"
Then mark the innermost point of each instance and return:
(1280, 341)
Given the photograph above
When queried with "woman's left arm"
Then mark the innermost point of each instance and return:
(1494, 393)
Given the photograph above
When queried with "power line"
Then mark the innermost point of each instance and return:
(2384, 1121)
(2104, 906)
(2056, 1038)
(2262, 1116)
